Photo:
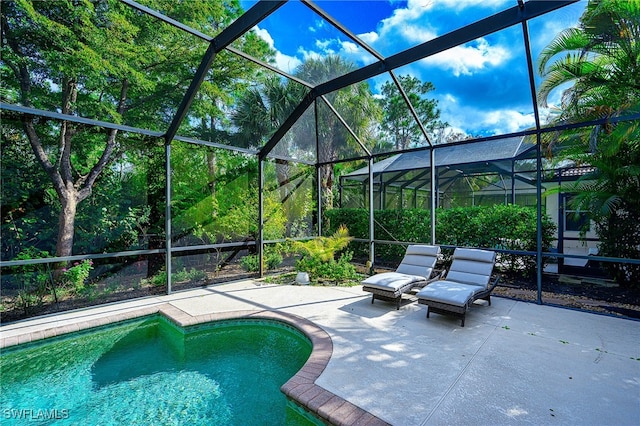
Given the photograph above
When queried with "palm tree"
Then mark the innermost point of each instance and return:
(261, 111)
(602, 61)
(355, 104)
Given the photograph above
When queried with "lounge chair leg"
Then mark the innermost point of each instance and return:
(398, 303)
(373, 297)
(427, 311)
(463, 315)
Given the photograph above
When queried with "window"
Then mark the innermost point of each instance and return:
(575, 219)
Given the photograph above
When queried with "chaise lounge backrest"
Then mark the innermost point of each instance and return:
(419, 260)
(472, 266)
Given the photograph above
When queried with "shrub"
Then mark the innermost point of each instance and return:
(333, 270)
(499, 227)
(619, 234)
(33, 280)
(324, 248)
(402, 225)
(319, 257)
(272, 259)
(180, 275)
(76, 275)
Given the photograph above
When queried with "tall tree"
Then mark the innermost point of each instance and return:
(258, 114)
(601, 62)
(398, 123)
(261, 111)
(99, 59)
(357, 107)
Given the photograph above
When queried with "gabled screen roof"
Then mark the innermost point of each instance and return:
(452, 156)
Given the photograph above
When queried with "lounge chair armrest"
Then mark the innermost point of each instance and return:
(439, 276)
(494, 283)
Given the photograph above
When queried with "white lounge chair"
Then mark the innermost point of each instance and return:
(468, 280)
(415, 270)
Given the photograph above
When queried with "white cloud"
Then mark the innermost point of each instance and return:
(264, 35)
(505, 121)
(406, 22)
(414, 19)
(450, 99)
(457, 5)
(283, 62)
(470, 57)
(287, 63)
(479, 120)
(355, 53)
(309, 54)
(323, 45)
(350, 47)
(421, 21)
(416, 33)
(370, 38)
(343, 48)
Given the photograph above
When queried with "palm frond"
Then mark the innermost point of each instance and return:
(324, 248)
(571, 39)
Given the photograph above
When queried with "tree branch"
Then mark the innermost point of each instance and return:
(87, 183)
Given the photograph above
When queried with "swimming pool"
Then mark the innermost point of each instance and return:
(150, 371)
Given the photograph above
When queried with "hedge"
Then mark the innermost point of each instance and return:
(501, 227)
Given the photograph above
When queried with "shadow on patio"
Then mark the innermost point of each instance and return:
(513, 362)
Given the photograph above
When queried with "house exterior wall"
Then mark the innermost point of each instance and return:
(573, 242)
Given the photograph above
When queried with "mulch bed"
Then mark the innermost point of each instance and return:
(584, 293)
(588, 294)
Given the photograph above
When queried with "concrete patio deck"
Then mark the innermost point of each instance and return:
(512, 363)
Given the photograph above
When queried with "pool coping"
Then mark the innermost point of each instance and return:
(301, 388)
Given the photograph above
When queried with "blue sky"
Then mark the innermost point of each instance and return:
(481, 87)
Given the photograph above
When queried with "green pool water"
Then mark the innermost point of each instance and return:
(149, 371)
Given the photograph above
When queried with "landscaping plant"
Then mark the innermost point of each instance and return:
(319, 257)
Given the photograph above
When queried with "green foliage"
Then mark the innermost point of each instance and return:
(357, 107)
(272, 259)
(622, 228)
(356, 220)
(324, 249)
(319, 256)
(32, 280)
(103, 60)
(399, 127)
(192, 274)
(412, 224)
(181, 275)
(597, 64)
(500, 227)
(333, 270)
(76, 275)
(221, 203)
(32, 276)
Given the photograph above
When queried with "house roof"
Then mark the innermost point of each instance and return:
(461, 156)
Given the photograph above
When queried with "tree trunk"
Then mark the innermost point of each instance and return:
(326, 183)
(282, 175)
(66, 223)
(212, 161)
(212, 166)
(70, 193)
